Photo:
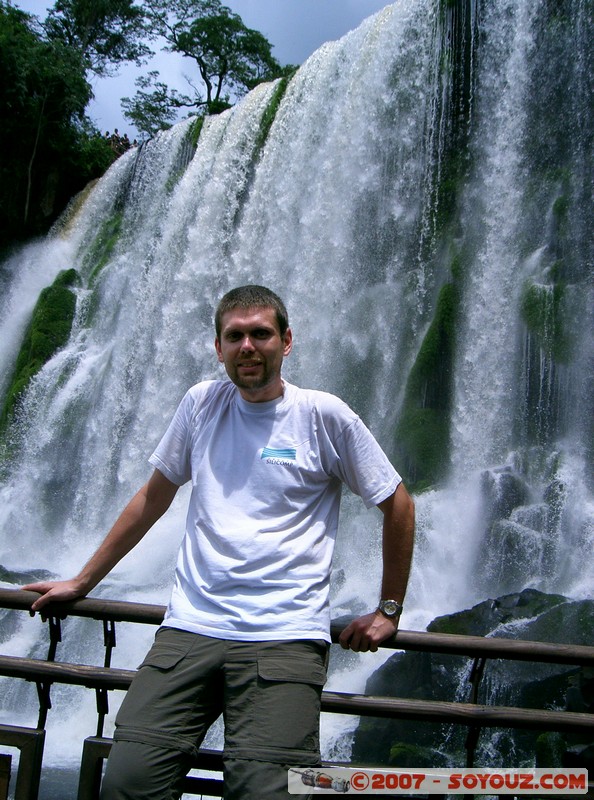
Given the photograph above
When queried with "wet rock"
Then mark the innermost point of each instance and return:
(503, 490)
(530, 615)
(19, 578)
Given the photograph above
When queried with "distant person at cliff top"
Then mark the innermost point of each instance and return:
(246, 632)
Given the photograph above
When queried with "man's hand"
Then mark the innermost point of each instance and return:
(367, 632)
(53, 592)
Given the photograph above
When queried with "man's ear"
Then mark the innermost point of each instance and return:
(288, 342)
(219, 351)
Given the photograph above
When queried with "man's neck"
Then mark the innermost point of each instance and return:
(264, 394)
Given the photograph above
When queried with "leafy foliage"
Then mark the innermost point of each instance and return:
(50, 147)
(104, 33)
(154, 107)
(230, 58)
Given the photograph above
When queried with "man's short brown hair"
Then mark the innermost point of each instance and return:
(252, 296)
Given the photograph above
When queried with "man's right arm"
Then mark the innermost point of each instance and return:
(141, 513)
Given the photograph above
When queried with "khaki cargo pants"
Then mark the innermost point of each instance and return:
(268, 692)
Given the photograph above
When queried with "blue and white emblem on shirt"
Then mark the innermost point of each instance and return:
(279, 455)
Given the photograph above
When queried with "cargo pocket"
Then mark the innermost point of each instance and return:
(157, 681)
(146, 701)
(282, 722)
(291, 670)
(168, 649)
(155, 709)
(164, 660)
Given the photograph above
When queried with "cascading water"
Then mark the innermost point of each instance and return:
(349, 207)
(522, 408)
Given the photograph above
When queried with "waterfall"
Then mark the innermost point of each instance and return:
(437, 148)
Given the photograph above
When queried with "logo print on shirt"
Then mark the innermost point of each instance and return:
(285, 456)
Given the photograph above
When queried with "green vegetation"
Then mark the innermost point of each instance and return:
(196, 130)
(104, 33)
(423, 436)
(423, 432)
(154, 108)
(230, 59)
(270, 113)
(542, 312)
(49, 151)
(103, 245)
(48, 331)
(51, 148)
(550, 749)
(413, 756)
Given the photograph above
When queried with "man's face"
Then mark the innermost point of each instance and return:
(252, 350)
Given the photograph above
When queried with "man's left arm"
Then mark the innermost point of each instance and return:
(367, 632)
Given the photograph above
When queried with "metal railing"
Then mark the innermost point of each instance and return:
(102, 679)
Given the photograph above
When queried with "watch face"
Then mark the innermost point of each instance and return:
(391, 607)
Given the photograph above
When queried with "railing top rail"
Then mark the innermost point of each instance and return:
(420, 641)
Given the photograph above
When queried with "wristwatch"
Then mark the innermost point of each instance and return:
(390, 608)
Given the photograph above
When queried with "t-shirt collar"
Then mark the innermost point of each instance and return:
(261, 408)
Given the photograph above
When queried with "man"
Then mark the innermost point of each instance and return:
(246, 631)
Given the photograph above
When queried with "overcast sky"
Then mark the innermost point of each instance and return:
(295, 28)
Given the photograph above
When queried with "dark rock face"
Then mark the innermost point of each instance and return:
(503, 491)
(30, 576)
(529, 615)
(486, 617)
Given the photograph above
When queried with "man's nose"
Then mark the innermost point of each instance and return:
(247, 344)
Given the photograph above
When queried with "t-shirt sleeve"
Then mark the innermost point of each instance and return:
(354, 456)
(172, 454)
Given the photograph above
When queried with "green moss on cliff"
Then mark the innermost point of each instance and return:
(103, 246)
(48, 331)
(270, 113)
(423, 434)
(542, 312)
(195, 130)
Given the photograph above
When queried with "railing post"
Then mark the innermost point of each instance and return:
(29, 772)
(43, 688)
(55, 632)
(109, 640)
(45, 702)
(102, 709)
(5, 763)
(95, 751)
(30, 742)
(476, 674)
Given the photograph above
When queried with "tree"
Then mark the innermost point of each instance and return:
(46, 140)
(104, 32)
(231, 59)
(156, 110)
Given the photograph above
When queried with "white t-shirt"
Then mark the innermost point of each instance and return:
(255, 560)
